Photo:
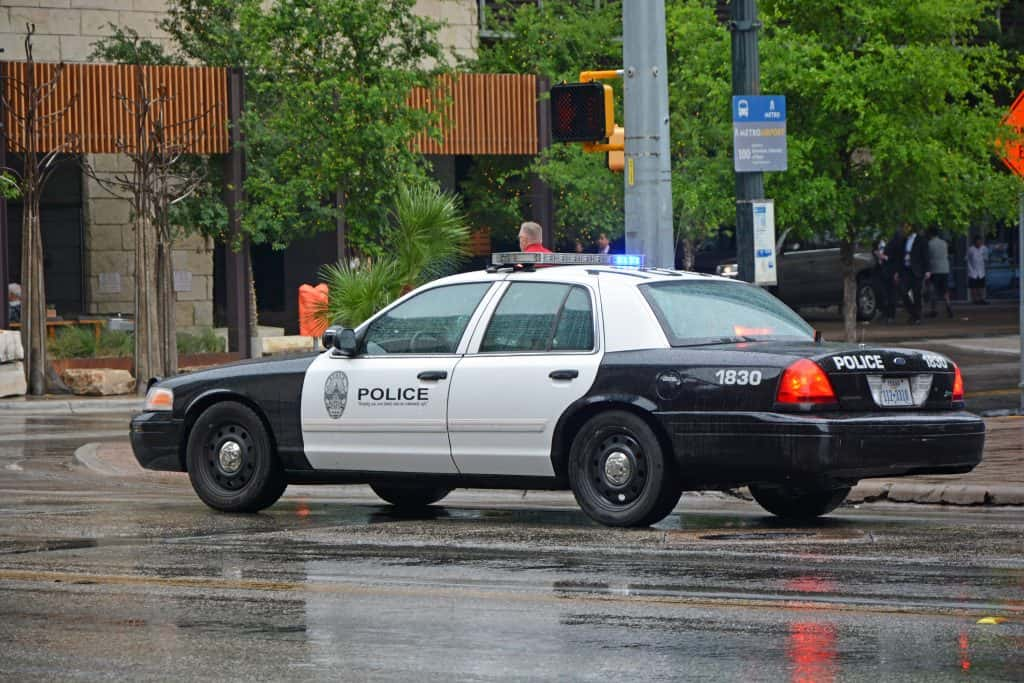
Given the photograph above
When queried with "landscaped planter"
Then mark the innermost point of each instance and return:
(125, 362)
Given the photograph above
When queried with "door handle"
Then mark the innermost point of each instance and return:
(564, 374)
(433, 375)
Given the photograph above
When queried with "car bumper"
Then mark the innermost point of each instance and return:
(156, 441)
(730, 449)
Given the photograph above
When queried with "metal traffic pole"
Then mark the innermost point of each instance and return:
(648, 168)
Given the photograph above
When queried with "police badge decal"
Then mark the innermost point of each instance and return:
(336, 394)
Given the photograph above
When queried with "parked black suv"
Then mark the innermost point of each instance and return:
(810, 274)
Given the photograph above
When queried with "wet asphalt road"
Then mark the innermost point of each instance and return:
(132, 579)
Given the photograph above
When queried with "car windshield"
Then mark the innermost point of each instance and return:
(708, 312)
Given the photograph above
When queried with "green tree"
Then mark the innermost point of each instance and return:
(327, 125)
(699, 92)
(556, 39)
(893, 117)
(328, 82)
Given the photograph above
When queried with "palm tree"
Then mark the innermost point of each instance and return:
(427, 238)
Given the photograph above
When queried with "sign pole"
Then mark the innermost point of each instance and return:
(1020, 291)
(746, 80)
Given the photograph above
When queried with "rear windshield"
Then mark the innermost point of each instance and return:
(707, 312)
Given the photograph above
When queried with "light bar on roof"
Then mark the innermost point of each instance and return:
(512, 258)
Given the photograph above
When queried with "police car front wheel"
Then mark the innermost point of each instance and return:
(231, 461)
(619, 472)
(410, 496)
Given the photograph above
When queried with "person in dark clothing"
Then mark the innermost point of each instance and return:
(913, 266)
(881, 281)
(893, 259)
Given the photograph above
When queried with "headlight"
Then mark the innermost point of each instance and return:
(158, 398)
(728, 270)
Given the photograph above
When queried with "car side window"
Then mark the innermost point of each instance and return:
(431, 322)
(539, 316)
(575, 330)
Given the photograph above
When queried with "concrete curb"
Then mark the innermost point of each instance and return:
(72, 406)
(927, 494)
(115, 460)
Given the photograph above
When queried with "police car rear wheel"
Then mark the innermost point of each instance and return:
(231, 462)
(619, 473)
(798, 503)
(410, 496)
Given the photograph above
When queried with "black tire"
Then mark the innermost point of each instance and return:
(649, 488)
(259, 479)
(410, 496)
(796, 503)
(867, 300)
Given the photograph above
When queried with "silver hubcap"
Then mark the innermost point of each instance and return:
(617, 468)
(230, 457)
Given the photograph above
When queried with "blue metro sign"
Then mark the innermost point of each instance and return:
(759, 109)
(759, 133)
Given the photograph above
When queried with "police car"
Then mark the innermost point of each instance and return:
(624, 384)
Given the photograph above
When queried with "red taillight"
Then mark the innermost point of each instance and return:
(805, 382)
(958, 385)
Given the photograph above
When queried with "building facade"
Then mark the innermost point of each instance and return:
(87, 230)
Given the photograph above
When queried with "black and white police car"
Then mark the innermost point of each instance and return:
(626, 385)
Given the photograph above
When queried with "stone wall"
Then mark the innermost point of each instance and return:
(461, 34)
(67, 29)
(110, 254)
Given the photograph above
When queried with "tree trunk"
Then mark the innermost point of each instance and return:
(148, 356)
(846, 251)
(166, 306)
(255, 349)
(688, 253)
(33, 307)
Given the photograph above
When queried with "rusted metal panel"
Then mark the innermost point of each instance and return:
(99, 118)
(481, 114)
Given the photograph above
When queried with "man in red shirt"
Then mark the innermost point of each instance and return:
(531, 236)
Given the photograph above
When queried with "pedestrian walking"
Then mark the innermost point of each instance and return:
(938, 271)
(912, 271)
(977, 257)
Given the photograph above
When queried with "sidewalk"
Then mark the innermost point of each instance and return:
(998, 480)
(71, 405)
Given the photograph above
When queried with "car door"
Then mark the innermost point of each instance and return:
(385, 409)
(537, 353)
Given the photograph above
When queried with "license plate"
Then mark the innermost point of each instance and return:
(894, 393)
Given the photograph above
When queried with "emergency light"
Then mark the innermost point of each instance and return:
(513, 258)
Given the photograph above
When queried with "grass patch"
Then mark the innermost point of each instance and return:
(80, 342)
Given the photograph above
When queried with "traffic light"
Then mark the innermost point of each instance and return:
(616, 159)
(581, 112)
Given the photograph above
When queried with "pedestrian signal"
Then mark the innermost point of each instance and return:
(616, 159)
(581, 112)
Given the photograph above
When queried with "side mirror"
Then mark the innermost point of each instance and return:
(344, 342)
(328, 337)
